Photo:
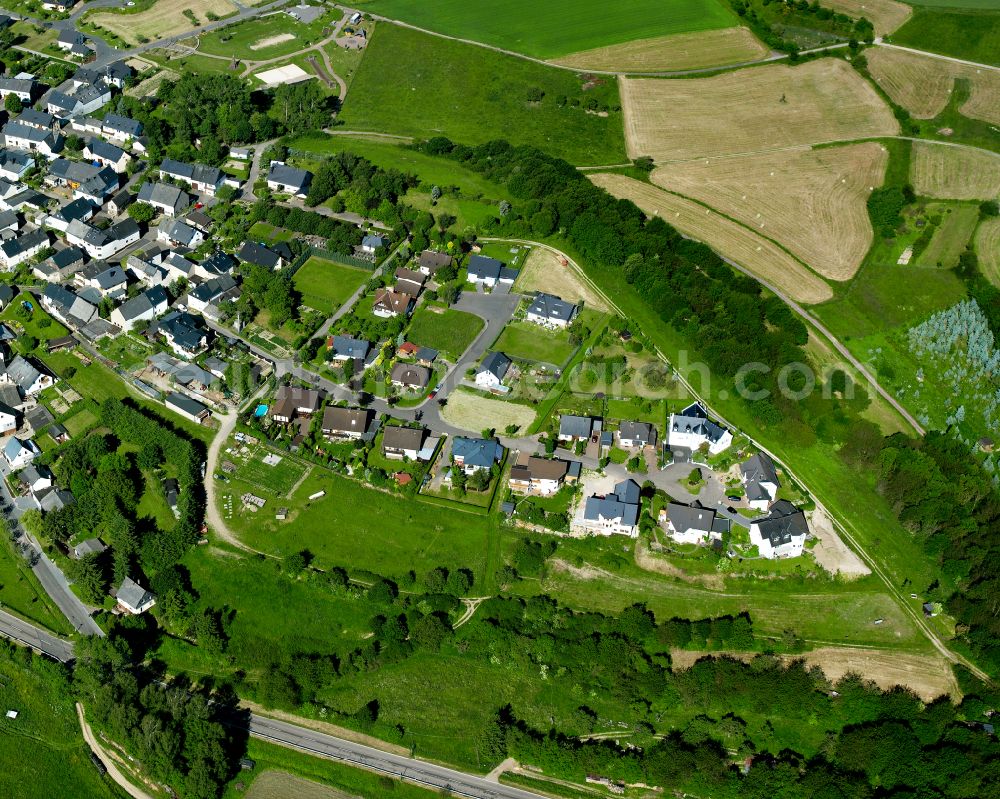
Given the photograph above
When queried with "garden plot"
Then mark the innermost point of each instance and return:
(810, 201)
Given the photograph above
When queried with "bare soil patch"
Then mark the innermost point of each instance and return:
(730, 239)
(647, 560)
(810, 201)
(749, 110)
(165, 18)
(885, 15)
(270, 41)
(954, 173)
(543, 271)
(830, 551)
(715, 48)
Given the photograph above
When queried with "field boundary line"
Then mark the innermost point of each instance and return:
(939, 56)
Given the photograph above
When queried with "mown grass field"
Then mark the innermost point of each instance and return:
(954, 173)
(970, 34)
(326, 285)
(885, 15)
(164, 18)
(472, 412)
(951, 237)
(557, 27)
(419, 85)
(988, 249)
(531, 342)
(450, 332)
(258, 39)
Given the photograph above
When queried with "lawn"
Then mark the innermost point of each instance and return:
(450, 331)
(531, 342)
(418, 85)
(266, 37)
(951, 237)
(558, 27)
(36, 322)
(973, 35)
(153, 504)
(326, 285)
(22, 595)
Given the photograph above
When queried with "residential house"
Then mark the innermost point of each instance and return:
(38, 119)
(60, 266)
(351, 423)
(178, 234)
(218, 263)
(182, 373)
(16, 251)
(199, 220)
(213, 292)
(182, 332)
(107, 154)
(53, 499)
(345, 348)
(258, 254)
(68, 39)
(694, 523)
(7, 295)
(18, 453)
(577, 428)
(9, 419)
(548, 310)
(13, 166)
(67, 306)
(780, 534)
(28, 378)
(29, 201)
(36, 478)
(93, 183)
(409, 376)
(86, 126)
(10, 222)
(372, 242)
(24, 89)
(293, 402)
(133, 598)
(430, 261)
(285, 179)
(389, 303)
(82, 99)
(216, 367)
(492, 370)
(119, 201)
(240, 153)
(201, 178)
(80, 209)
(691, 429)
(399, 443)
(636, 434)
(489, 271)
(473, 454)
(614, 514)
(164, 198)
(102, 244)
(119, 128)
(426, 356)
(760, 480)
(542, 476)
(105, 280)
(409, 282)
(18, 135)
(187, 407)
(141, 308)
(90, 546)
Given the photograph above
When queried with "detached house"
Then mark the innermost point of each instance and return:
(372, 242)
(534, 475)
(24, 89)
(259, 255)
(403, 442)
(16, 251)
(164, 198)
(577, 428)
(760, 480)
(345, 348)
(178, 234)
(20, 136)
(409, 282)
(430, 261)
(28, 379)
(489, 272)
(19, 454)
(107, 154)
(614, 514)
(187, 407)
(119, 128)
(409, 376)
(81, 210)
(780, 534)
(389, 303)
(548, 310)
(208, 296)
(351, 423)
(141, 308)
(202, 178)
(183, 333)
(694, 523)
(133, 598)
(13, 166)
(285, 179)
(492, 370)
(692, 429)
(65, 305)
(102, 244)
(473, 454)
(636, 434)
(294, 402)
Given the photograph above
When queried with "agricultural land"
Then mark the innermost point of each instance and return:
(970, 32)
(988, 248)
(954, 173)
(161, 19)
(885, 15)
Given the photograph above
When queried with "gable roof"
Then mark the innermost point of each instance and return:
(410, 374)
(483, 267)
(288, 175)
(132, 594)
(576, 426)
(496, 363)
(432, 261)
(782, 524)
(253, 253)
(637, 431)
(403, 438)
(552, 307)
(476, 451)
(143, 303)
(163, 194)
(122, 124)
(348, 347)
(354, 420)
(195, 173)
(694, 419)
(537, 468)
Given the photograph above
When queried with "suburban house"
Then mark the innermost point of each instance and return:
(694, 523)
(615, 513)
(82, 98)
(409, 282)
(177, 233)
(760, 480)
(119, 201)
(285, 179)
(38, 418)
(780, 534)
(400, 443)
(691, 429)
(36, 478)
(206, 179)
(473, 454)
(67, 306)
(187, 407)
(577, 428)
(548, 310)
(188, 375)
(26, 376)
(141, 308)
(18, 453)
(133, 598)
(164, 198)
(352, 423)
(389, 303)
(13, 166)
(492, 370)
(107, 154)
(410, 376)
(19, 135)
(119, 128)
(182, 332)
(292, 402)
(636, 434)
(90, 182)
(70, 39)
(24, 89)
(102, 244)
(90, 546)
(430, 261)
(259, 255)
(213, 292)
(6, 296)
(345, 348)
(535, 475)
(372, 242)
(52, 499)
(8, 419)
(489, 271)
(105, 280)
(10, 222)
(81, 210)
(17, 251)
(218, 263)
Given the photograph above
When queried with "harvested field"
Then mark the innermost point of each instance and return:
(954, 173)
(681, 51)
(730, 239)
(280, 785)
(923, 84)
(810, 201)
(951, 238)
(543, 271)
(988, 249)
(471, 412)
(928, 675)
(754, 109)
(164, 18)
(885, 15)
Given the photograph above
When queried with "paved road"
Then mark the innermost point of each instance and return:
(409, 769)
(21, 631)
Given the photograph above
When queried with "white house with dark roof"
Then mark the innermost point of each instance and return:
(80, 209)
(616, 513)
(636, 434)
(8, 419)
(780, 534)
(183, 333)
(13, 166)
(102, 244)
(474, 454)
(492, 371)
(489, 271)
(141, 308)
(24, 89)
(16, 251)
(20, 136)
(67, 306)
(107, 154)
(164, 198)
(187, 407)
(253, 253)
(400, 443)
(346, 348)
(349, 423)
(694, 523)
(760, 480)
(119, 128)
(202, 178)
(28, 378)
(176, 232)
(691, 429)
(285, 179)
(372, 242)
(576, 428)
(60, 266)
(549, 310)
(133, 598)
(18, 454)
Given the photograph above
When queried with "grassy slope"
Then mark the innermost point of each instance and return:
(22, 595)
(414, 84)
(557, 27)
(969, 34)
